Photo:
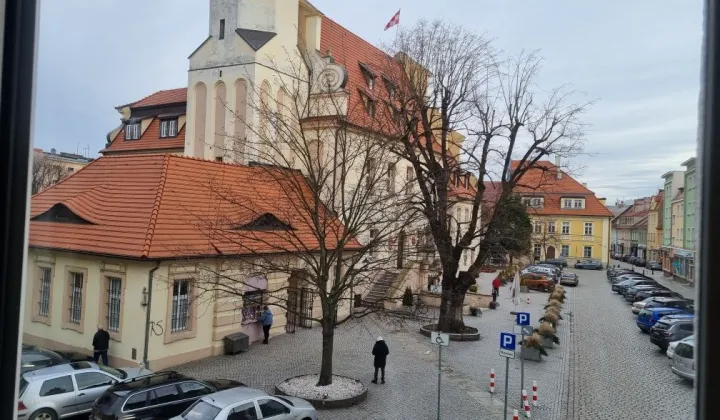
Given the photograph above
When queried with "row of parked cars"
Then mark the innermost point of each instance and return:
(667, 316)
(56, 387)
(637, 261)
(545, 275)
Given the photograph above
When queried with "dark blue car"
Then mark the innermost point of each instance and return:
(647, 318)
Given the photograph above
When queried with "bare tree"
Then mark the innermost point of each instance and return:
(46, 172)
(340, 193)
(452, 81)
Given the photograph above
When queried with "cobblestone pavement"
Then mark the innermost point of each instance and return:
(615, 372)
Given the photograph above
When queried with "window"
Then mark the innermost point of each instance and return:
(243, 412)
(538, 227)
(588, 228)
(409, 176)
(137, 401)
(45, 278)
(180, 306)
(57, 386)
(551, 227)
(70, 169)
(371, 83)
(565, 228)
(587, 251)
(221, 34)
(76, 297)
(205, 411)
(391, 178)
(168, 127)
(270, 408)
(536, 202)
(113, 303)
(578, 204)
(536, 250)
(92, 380)
(567, 203)
(565, 251)
(167, 394)
(370, 176)
(132, 131)
(194, 389)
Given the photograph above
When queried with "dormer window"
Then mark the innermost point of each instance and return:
(168, 127)
(369, 76)
(536, 202)
(578, 204)
(390, 86)
(132, 131)
(369, 104)
(567, 203)
(573, 203)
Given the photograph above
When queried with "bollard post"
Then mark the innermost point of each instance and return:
(492, 381)
(526, 404)
(534, 394)
(516, 416)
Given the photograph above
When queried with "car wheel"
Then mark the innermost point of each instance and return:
(44, 414)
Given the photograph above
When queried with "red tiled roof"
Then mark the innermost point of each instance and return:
(150, 140)
(162, 97)
(162, 206)
(542, 180)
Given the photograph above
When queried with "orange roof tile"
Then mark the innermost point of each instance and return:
(162, 97)
(167, 206)
(542, 180)
(150, 140)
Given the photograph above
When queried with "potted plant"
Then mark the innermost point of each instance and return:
(547, 333)
(558, 295)
(550, 317)
(554, 303)
(554, 310)
(532, 348)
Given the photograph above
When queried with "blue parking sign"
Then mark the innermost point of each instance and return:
(507, 341)
(522, 318)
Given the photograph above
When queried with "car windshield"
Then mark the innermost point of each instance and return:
(685, 350)
(114, 372)
(201, 410)
(22, 385)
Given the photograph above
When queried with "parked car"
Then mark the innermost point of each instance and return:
(569, 279)
(622, 287)
(626, 258)
(654, 265)
(36, 357)
(680, 303)
(157, 396)
(671, 347)
(248, 403)
(650, 293)
(588, 264)
(537, 281)
(67, 389)
(551, 273)
(559, 262)
(671, 328)
(615, 272)
(647, 318)
(683, 360)
(556, 269)
(640, 262)
(631, 292)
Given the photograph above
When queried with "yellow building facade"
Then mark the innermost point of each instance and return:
(570, 237)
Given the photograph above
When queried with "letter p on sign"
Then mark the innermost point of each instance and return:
(523, 318)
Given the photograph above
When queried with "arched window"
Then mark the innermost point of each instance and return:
(240, 133)
(200, 101)
(220, 112)
(265, 133)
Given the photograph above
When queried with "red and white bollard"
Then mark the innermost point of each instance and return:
(534, 395)
(516, 416)
(526, 404)
(527, 301)
(492, 381)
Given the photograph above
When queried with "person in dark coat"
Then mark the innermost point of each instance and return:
(380, 351)
(101, 344)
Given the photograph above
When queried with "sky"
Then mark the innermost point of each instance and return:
(639, 60)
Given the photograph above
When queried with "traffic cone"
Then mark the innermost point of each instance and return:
(534, 395)
(492, 381)
(526, 404)
(516, 416)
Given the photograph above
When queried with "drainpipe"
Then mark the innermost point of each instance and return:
(146, 364)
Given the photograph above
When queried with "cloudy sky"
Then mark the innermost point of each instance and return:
(640, 59)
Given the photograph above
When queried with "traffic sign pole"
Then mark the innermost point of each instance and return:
(439, 379)
(507, 371)
(441, 340)
(522, 366)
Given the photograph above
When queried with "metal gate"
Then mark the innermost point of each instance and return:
(306, 307)
(292, 310)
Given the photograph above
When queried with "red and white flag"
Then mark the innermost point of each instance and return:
(395, 20)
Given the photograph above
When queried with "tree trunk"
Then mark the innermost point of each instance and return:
(451, 303)
(326, 365)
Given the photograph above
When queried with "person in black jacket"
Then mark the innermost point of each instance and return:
(380, 351)
(101, 344)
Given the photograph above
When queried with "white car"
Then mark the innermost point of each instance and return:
(671, 347)
(248, 403)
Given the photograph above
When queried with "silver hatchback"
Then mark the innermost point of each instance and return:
(683, 360)
(68, 389)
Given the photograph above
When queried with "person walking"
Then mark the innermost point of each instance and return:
(266, 320)
(101, 344)
(380, 351)
(496, 288)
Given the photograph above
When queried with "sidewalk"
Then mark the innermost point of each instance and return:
(686, 289)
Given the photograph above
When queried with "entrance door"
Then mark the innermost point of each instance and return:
(401, 249)
(292, 310)
(306, 307)
(550, 254)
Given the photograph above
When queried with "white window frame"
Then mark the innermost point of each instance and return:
(578, 204)
(551, 227)
(132, 131)
(45, 287)
(567, 203)
(537, 228)
(565, 250)
(587, 254)
(114, 303)
(76, 297)
(537, 250)
(588, 232)
(180, 313)
(564, 225)
(168, 127)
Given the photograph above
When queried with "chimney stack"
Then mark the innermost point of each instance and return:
(584, 184)
(557, 165)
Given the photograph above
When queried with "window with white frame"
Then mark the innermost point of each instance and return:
(578, 204)
(169, 127)
(180, 306)
(588, 228)
(565, 251)
(76, 297)
(536, 250)
(587, 251)
(536, 202)
(113, 303)
(538, 227)
(45, 279)
(132, 131)
(551, 227)
(565, 228)
(567, 203)
(391, 178)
